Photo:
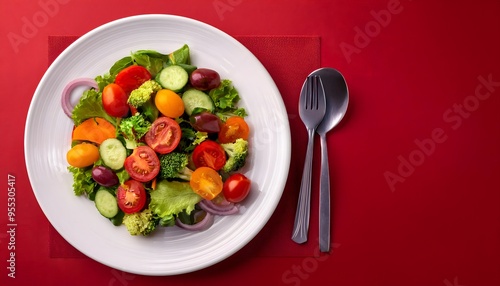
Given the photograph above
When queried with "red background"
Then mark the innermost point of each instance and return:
(413, 68)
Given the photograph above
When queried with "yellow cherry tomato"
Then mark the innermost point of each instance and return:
(206, 182)
(169, 103)
(82, 155)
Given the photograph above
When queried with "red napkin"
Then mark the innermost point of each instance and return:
(288, 59)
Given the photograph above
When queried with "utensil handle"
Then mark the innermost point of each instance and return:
(324, 199)
(301, 224)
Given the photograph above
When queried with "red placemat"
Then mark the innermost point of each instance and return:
(288, 59)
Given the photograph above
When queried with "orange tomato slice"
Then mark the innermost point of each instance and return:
(234, 128)
(206, 182)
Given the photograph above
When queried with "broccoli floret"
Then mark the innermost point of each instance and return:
(143, 93)
(237, 153)
(143, 222)
(174, 166)
(133, 129)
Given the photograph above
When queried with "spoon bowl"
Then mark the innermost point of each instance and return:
(337, 100)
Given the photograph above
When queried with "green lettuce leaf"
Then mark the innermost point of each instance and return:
(103, 80)
(180, 56)
(120, 65)
(226, 98)
(171, 198)
(83, 184)
(89, 106)
(153, 61)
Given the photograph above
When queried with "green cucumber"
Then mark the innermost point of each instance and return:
(173, 77)
(194, 98)
(106, 204)
(113, 153)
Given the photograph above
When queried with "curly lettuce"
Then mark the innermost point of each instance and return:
(226, 98)
(171, 198)
(83, 184)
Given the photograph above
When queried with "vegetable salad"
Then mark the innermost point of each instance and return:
(159, 142)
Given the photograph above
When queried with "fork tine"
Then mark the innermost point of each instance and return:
(311, 92)
(304, 97)
(308, 93)
(319, 94)
(314, 91)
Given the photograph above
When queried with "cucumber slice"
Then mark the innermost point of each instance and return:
(173, 77)
(113, 153)
(106, 203)
(194, 98)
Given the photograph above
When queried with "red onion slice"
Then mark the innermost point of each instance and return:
(66, 94)
(225, 209)
(204, 224)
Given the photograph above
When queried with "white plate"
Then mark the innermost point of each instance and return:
(170, 250)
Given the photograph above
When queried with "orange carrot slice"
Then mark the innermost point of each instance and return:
(94, 130)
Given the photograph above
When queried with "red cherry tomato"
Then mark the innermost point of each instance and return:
(236, 188)
(114, 100)
(235, 127)
(131, 196)
(209, 154)
(132, 77)
(143, 164)
(164, 135)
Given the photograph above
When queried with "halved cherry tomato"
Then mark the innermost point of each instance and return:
(236, 188)
(114, 100)
(164, 135)
(82, 155)
(143, 164)
(235, 127)
(209, 154)
(206, 182)
(131, 196)
(132, 77)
